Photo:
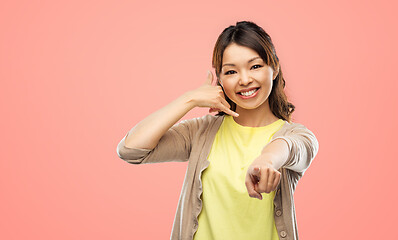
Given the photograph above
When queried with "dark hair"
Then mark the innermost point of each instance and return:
(250, 35)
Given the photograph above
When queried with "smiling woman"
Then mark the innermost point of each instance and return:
(244, 58)
(250, 150)
(247, 83)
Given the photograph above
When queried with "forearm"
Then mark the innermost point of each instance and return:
(147, 133)
(277, 153)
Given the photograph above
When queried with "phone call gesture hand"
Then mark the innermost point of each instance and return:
(212, 97)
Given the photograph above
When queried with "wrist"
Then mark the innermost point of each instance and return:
(277, 152)
(188, 100)
(271, 159)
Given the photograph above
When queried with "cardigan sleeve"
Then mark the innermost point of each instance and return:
(303, 147)
(174, 146)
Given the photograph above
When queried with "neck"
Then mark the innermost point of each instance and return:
(259, 117)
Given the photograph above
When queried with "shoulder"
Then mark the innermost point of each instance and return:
(292, 127)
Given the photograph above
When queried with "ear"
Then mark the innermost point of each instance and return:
(220, 82)
(275, 74)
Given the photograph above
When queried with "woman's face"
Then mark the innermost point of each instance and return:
(246, 79)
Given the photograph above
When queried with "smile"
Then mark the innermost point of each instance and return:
(248, 94)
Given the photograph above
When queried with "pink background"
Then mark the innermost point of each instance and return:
(77, 75)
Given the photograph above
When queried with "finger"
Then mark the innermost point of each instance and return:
(256, 174)
(250, 183)
(229, 111)
(226, 108)
(277, 180)
(263, 183)
(209, 79)
(271, 179)
(225, 103)
(214, 110)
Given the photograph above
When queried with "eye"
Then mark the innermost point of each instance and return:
(256, 65)
(229, 72)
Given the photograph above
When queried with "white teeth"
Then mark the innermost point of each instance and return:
(248, 93)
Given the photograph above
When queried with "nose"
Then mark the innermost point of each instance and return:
(244, 78)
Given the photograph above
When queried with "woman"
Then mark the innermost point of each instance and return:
(249, 150)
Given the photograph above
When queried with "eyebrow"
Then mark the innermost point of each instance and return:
(230, 64)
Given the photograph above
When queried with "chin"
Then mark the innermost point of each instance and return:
(251, 106)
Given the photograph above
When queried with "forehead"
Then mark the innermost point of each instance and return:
(238, 53)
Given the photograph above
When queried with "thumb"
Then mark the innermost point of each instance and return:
(209, 79)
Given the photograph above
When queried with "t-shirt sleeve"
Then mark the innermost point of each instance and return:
(303, 147)
(174, 146)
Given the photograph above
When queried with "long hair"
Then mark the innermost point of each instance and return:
(249, 34)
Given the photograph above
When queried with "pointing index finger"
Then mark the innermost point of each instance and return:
(250, 185)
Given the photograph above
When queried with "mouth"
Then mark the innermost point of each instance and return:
(249, 93)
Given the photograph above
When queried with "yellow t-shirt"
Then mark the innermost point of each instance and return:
(228, 212)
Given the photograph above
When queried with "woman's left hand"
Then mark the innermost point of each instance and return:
(262, 177)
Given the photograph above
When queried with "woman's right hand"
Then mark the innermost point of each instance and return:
(212, 97)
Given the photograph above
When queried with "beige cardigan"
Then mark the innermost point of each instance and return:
(191, 140)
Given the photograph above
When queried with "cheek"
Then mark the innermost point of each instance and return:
(229, 89)
(268, 83)
(265, 79)
(267, 87)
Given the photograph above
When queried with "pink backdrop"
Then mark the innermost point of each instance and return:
(77, 75)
